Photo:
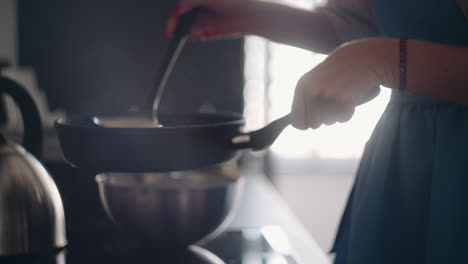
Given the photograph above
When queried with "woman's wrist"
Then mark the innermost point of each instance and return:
(423, 68)
(385, 58)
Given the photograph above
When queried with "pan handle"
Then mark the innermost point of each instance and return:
(264, 137)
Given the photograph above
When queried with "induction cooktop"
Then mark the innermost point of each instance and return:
(265, 245)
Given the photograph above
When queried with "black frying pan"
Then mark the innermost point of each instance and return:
(209, 139)
(186, 141)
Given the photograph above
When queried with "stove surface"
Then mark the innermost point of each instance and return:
(266, 245)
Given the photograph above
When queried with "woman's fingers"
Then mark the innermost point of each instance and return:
(315, 113)
(216, 19)
(206, 26)
(331, 112)
(336, 113)
(306, 112)
(315, 104)
(170, 27)
(307, 109)
(202, 29)
(182, 7)
(299, 111)
(345, 114)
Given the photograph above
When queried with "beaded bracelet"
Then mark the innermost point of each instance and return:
(403, 66)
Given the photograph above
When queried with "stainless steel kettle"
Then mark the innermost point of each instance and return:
(31, 211)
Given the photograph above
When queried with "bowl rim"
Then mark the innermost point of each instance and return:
(102, 179)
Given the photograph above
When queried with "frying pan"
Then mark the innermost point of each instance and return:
(186, 141)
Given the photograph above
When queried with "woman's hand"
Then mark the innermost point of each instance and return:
(217, 18)
(330, 92)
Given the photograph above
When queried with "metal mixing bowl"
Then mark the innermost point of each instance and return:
(174, 209)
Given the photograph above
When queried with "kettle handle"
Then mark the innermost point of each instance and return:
(32, 127)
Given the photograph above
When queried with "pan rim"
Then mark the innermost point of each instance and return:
(73, 121)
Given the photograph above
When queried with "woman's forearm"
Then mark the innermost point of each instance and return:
(301, 28)
(433, 70)
(330, 92)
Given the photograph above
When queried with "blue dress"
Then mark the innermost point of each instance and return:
(409, 203)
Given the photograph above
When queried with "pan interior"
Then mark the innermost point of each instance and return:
(198, 119)
(168, 120)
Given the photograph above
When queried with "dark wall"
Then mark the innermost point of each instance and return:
(100, 57)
